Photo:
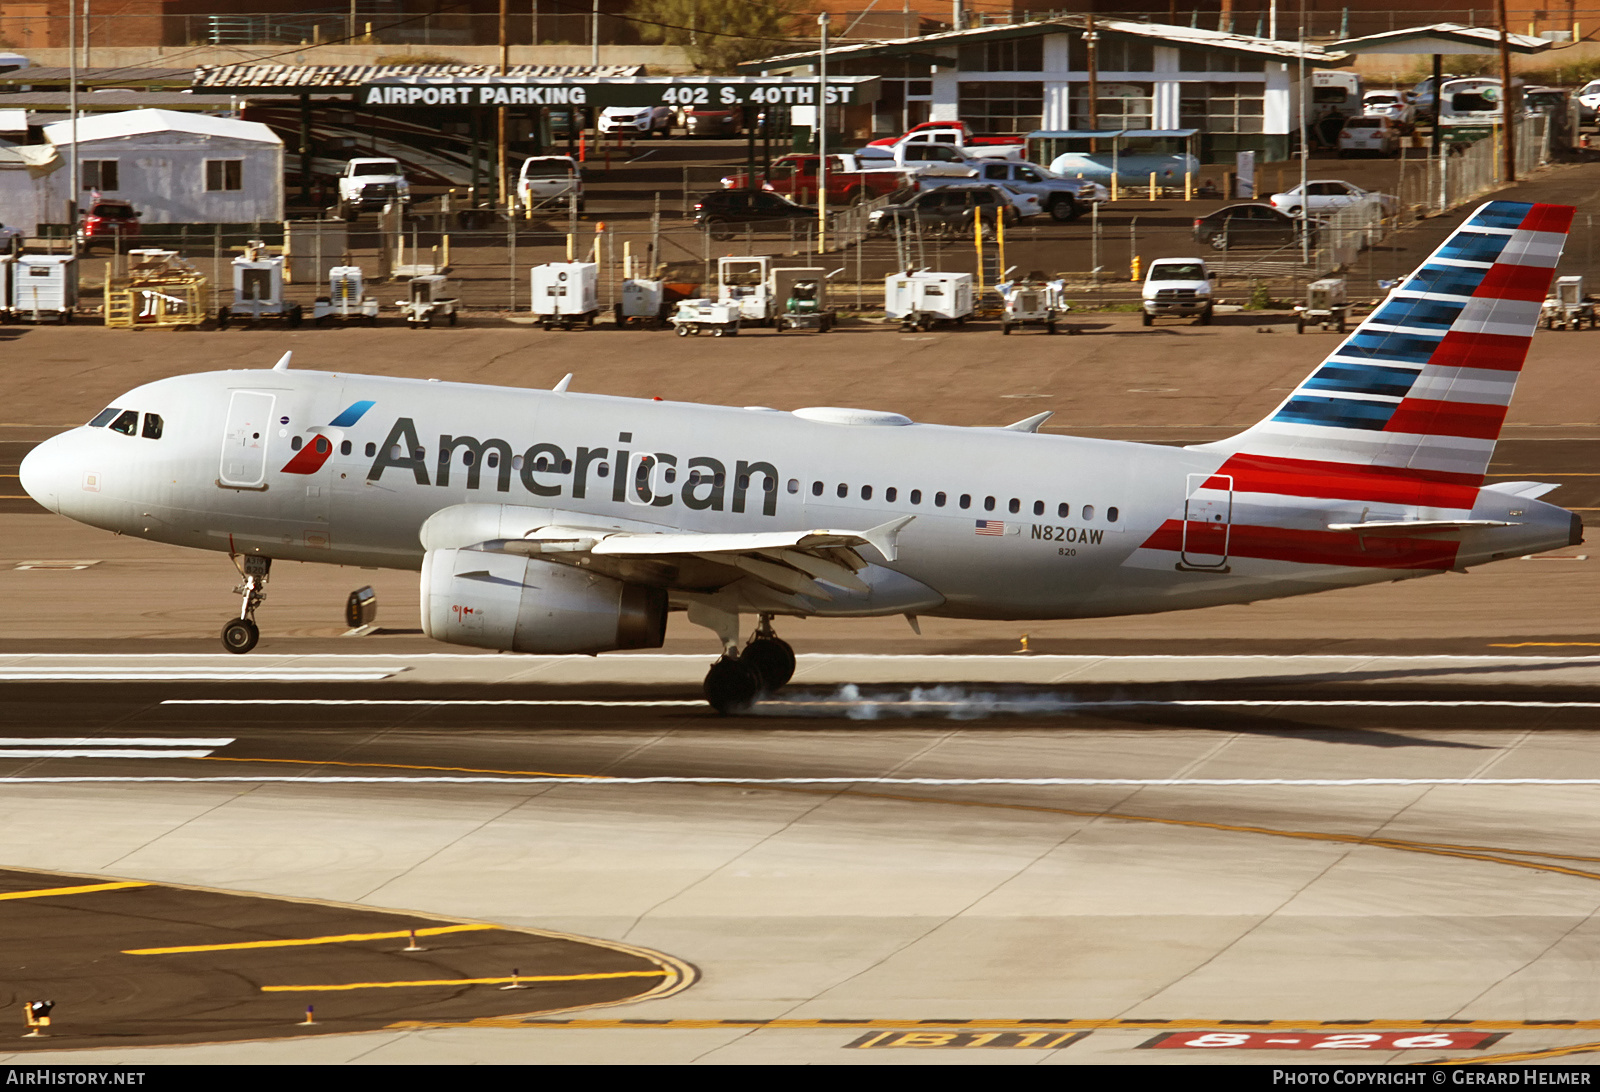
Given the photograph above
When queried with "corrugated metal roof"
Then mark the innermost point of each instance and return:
(354, 75)
(138, 122)
(1429, 39)
(94, 102)
(177, 77)
(1186, 37)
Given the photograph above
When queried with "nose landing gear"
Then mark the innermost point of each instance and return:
(241, 634)
(764, 666)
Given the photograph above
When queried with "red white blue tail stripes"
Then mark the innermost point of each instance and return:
(1400, 421)
(1424, 382)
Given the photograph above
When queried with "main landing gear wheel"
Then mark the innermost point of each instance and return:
(771, 659)
(731, 685)
(240, 635)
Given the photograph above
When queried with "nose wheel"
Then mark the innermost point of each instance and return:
(240, 634)
(763, 667)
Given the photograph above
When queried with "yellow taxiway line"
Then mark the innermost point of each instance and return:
(345, 938)
(467, 981)
(1041, 1023)
(82, 889)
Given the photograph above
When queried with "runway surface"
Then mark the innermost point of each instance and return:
(1065, 859)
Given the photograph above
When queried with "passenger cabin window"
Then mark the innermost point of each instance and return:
(104, 417)
(966, 500)
(372, 450)
(1088, 511)
(294, 443)
(127, 422)
(843, 490)
(1038, 508)
(890, 494)
(1111, 515)
(1015, 506)
(816, 489)
(988, 504)
(916, 496)
(344, 448)
(938, 500)
(1063, 511)
(866, 492)
(152, 426)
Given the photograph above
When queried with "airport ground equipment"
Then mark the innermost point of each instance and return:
(805, 302)
(346, 300)
(1325, 305)
(720, 319)
(428, 302)
(747, 283)
(643, 303)
(43, 288)
(923, 298)
(155, 288)
(566, 294)
(1033, 301)
(258, 290)
(1569, 306)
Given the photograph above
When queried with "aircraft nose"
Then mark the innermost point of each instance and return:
(44, 472)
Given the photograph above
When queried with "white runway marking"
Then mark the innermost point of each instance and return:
(1028, 702)
(194, 674)
(1069, 782)
(108, 747)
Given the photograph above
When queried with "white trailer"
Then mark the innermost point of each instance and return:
(747, 283)
(427, 302)
(720, 319)
(566, 294)
(258, 289)
(346, 299)
(1033, 302)
(43, 288)
(922, 298)
(643, 302)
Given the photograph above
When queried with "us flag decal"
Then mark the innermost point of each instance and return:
(990, 527)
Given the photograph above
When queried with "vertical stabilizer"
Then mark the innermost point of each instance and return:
(1416, 396)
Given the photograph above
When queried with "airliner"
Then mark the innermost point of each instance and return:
(558, 522)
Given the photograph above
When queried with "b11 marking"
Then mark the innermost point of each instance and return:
(1324, 1040)
(961, 1040)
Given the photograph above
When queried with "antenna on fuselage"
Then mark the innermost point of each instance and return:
(562, 386)
(283, 362)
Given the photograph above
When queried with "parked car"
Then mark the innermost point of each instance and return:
(1394, 105)
(948, 209)
(636, 119)
(726, 213)
(108, 223)
(713, 123)
(1589, 102)
(1324, 195)
(1177, 287)
(1250, 225)
(548, 180)
(1062, 198)
(1369, 134)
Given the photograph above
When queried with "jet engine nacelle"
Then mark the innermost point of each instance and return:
(520, 604)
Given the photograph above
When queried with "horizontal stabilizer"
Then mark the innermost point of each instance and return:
(1031, 424)
(1419, 526)
(1526, 490)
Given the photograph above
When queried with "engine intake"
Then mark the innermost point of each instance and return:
(520, 604)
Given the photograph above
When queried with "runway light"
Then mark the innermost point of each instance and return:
(515, 985)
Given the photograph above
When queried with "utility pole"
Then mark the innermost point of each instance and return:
(505, 56)
(1090, 38)
(75, 175)
(594, 35)
(1509, 150)
(822, 137)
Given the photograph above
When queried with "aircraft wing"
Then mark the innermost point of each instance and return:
(789, 563)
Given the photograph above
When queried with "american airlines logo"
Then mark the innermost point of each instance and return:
(309, 459)
(655, 479)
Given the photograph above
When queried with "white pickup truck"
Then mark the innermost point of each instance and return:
(371, 184)
(1178, 287)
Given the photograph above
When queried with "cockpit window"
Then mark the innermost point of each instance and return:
(127, 422)
(103, 416)
(152, 426)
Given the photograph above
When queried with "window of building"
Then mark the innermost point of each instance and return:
(1112, 54)
(1003, 106)
(1120, 106)
(1011, 55)
(224, 174)
(1222, 107)
(1206, 60)
(99, 174)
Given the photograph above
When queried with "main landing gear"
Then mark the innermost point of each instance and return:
(240, 634)
(765, 665)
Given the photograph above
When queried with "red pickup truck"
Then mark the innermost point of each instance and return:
(966, 137)
(795, 177)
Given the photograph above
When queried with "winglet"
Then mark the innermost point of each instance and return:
(283, 362)
(562, 386)
(883, 537)
(1031, 424)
